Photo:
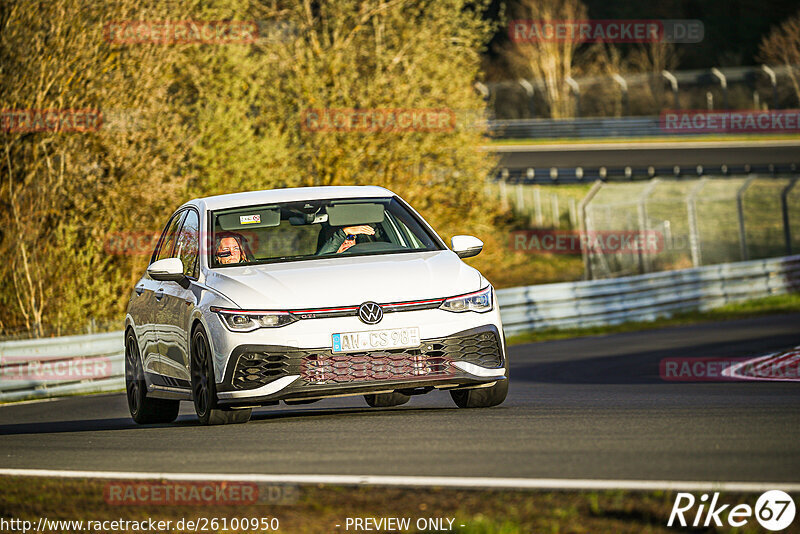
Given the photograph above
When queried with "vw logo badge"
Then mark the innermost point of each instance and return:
(370, 313)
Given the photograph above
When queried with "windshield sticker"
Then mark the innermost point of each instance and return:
(249, 219)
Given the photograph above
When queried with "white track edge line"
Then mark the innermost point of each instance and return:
(416, 481)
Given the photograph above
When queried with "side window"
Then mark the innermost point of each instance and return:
(167, 241)
(187, 245)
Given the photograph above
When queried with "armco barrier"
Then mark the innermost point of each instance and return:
(644, 297)
(33, 358)
(595, 127)
(564, 305)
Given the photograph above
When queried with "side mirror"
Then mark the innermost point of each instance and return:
(466, 246)
(167, 270)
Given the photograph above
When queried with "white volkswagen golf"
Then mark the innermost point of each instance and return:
(307, 293)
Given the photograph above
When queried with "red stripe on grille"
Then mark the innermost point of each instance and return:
(338, 369)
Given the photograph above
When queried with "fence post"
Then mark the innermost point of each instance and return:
(773, 80)
(573, 212)
(483, 89)
(623, 85)
(673, 82)
(576, 92)
(584, 227)
(641, 209)
(555, 210)
(694, 234)
(787, 229)
(723, 82)
(740, 212)
(537, 199)
(528, 86)
(520, 198)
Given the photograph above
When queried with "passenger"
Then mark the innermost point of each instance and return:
(230, 248)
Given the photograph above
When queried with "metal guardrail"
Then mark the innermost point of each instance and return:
(582, 175)
(601, 127)
(563, 305)
(592, 128)
(644, 297)
(748, 88)
(49, 367)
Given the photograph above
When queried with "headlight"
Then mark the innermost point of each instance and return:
(247, 320)
(480, 301)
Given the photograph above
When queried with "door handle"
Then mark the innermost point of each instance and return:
(139, 289)
(159, 293)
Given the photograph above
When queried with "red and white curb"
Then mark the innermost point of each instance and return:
(779, 366)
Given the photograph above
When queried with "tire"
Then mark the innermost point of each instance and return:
(386, 400)
(204, 387)
(482, 397)
(144, 410)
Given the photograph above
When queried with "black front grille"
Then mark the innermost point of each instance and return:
(255, 369)
(259, 365)
(482, 348)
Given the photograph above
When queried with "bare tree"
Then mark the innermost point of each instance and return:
(550, 60)
(653, 58)
(782, 47)
(218, 119)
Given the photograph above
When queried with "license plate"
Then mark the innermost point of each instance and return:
(394, 338)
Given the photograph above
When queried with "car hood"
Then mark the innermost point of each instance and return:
(346, 280)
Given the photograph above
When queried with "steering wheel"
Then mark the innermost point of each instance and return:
(371, 246)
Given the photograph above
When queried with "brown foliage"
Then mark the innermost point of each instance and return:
(188, 120)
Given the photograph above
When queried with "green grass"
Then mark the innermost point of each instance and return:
(739, 310)
(318, 509)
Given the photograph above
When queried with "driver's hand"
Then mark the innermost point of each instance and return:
(362, 229)
(347, 244)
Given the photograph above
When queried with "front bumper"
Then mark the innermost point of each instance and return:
(266, 373)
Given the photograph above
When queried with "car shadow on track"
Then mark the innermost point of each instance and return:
(189, 420)
(635, 367)
(326, 412)
(81, 425)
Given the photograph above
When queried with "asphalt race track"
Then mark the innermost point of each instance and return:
(657, 154)
(590, 408)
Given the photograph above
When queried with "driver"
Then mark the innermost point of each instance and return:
(344, 238)
(230, 248)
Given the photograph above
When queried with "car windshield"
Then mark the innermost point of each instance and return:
(312, 229)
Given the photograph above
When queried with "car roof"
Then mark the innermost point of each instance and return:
(292, 194)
